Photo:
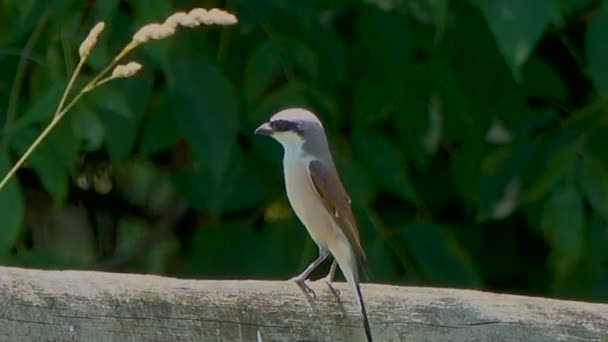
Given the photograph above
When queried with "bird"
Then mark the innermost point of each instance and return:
(319, 199)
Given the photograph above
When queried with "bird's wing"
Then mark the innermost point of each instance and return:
(329, 188)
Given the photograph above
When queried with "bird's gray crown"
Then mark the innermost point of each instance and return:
(296, 115)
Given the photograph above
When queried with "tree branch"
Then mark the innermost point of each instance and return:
(40, 305)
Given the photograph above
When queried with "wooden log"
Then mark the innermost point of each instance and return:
(38, 305)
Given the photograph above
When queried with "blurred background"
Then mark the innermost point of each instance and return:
(470, 134)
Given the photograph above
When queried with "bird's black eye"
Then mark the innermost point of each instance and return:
(281, 125)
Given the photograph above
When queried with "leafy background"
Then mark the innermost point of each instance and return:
(470, 134)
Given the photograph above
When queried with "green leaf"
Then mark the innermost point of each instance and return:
(299, 57)
(595, 138)
(419, 118)
(440, 10)
(386, 38)
(44, 161)
(143, 184)
(253, 13)
(519, 119)
(562, 222)
(596, 48)
(500, 182)
(206, 108)
(517, 26)
(588, 279)
(373, 104)
(550, 174)
(262, 68)
(356, 180)
(43, 106)
(385, 163)
(115, 114)
(87, 127)
(160, 126)
(65, 143)
(541, 79)
(292, 94)
(130, 231)
(439, 256)
(104, 10)
(11, 208)
(593, 180)
(122, 134)
(466, 169)
(237, 189)
(109, 98)
(470, 75)
(569, 6)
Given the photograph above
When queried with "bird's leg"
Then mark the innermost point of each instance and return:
(329, 278)
(300, 279)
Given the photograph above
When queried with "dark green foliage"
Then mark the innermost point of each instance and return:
(471, 136)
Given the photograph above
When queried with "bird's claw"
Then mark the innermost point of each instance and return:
(307, 289)
(327, 280)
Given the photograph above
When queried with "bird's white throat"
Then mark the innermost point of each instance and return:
(292, 144)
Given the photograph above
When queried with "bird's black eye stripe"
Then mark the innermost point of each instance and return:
(282, 125)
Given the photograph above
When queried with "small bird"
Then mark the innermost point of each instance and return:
(318, 198)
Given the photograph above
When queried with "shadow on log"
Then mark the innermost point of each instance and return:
(94, 306)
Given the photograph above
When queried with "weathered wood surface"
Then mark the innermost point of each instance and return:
(95, 306)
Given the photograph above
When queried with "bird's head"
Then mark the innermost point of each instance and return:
(291, 127)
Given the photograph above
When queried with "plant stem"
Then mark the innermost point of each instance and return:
(38, 140)
(94, 82)
(69, 86)
(59, 112)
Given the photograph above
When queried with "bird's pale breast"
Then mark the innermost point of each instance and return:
(306, 204)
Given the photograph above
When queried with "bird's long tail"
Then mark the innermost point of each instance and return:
(349, 265)
(359, 297)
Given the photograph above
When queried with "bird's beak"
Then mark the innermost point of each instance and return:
(264, 129)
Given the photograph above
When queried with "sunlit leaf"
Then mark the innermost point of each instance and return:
(517, 26)
(500, 182)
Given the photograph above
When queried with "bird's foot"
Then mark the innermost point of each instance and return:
(328, 280)
(301, 282)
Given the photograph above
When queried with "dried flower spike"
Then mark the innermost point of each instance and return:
(221, 17)
(200, 15)
(153, 31)
(126, 70)
(181, 19)
(90, 40)
(213, 16)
